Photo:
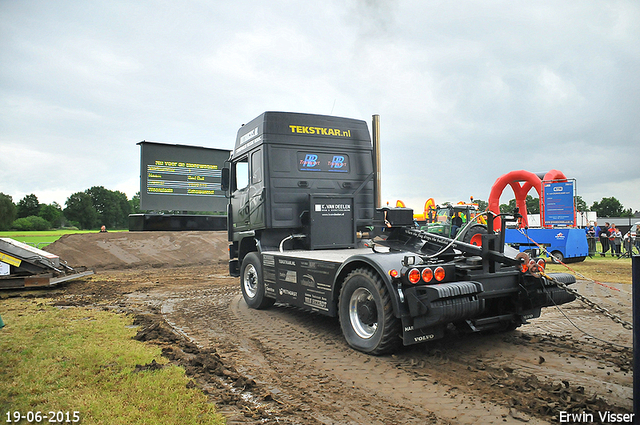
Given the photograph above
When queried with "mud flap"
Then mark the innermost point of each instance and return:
(234, 268)
(411, 335)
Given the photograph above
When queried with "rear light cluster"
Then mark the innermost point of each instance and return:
(426, 275)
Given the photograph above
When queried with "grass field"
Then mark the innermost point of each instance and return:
(43, 238)
(600, 269)
(78, 365)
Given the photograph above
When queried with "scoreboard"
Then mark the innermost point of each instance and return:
(181, 177)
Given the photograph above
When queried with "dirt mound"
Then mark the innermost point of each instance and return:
(132, 250)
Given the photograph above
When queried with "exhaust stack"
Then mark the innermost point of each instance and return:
(377, 189)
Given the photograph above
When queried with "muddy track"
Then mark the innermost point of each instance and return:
(302, 361)
(286, 366)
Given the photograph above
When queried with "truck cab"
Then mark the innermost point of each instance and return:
(283, 167)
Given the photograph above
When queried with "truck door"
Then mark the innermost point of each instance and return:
(256, 190)
(247, 198)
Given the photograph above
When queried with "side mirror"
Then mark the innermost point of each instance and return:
(225, 179)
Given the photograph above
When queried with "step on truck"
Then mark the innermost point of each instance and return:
(306, 229)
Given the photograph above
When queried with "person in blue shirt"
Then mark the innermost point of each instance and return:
(598, 231)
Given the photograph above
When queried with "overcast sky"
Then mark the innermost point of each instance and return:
(466, 91)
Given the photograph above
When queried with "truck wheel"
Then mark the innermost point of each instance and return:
(366, 313)
(252, 284)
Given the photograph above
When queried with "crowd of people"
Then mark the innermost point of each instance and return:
(611, 239)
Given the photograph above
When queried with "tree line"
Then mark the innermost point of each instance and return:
(91, 209)
(97, 206)
(607, 207)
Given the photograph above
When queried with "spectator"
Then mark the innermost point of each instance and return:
(615, 240)
(604, 239)
(629, 241)
(591, 239)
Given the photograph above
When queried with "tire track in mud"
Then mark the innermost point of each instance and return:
(255, 350)
(303, 360)
(599, 360)
(318, 342)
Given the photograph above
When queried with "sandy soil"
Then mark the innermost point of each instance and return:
(283, 365)
(140, 250)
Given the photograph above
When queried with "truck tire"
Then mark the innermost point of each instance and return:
(366, 313)
(252, 283)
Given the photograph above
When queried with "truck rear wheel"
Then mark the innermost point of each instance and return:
(252, 283)
(366, 313)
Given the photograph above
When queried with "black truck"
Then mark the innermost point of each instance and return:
(306, 229)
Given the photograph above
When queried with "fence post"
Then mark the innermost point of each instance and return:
(635, 273)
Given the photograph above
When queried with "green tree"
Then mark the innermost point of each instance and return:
(608, 207)
(581, 205)
(80, 209)
(52, 213)
(28, 206)
(122, 209)
(32, 222)
(134, 204)
(482, 205)
(112, 207)
(533, 206)
(7, 211)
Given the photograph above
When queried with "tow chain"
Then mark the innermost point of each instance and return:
(590, 303)
(582, 298)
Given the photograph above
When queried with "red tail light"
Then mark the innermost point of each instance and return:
(439, 274)
(427, 275)
(414, 276)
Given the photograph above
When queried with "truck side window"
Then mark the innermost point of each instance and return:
(242, 174)
(256, 167)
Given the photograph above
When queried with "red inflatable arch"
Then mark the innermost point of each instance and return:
(521, 182)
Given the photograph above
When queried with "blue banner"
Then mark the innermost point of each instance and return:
(559, 209)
